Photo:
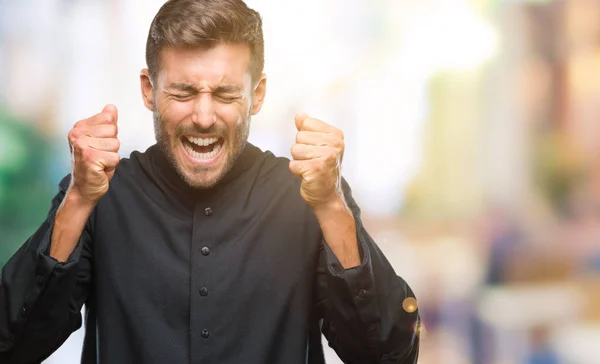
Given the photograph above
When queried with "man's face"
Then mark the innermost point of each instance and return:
(202, 101)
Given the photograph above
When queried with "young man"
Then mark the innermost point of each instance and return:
(203, 248)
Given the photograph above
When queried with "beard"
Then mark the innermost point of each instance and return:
(199, 177)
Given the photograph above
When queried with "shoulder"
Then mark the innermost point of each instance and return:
(273, 169)
(136, 162)
(136, 171)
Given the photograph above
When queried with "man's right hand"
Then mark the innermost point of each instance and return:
(94, 155)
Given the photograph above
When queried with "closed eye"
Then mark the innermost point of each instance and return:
(180, 97)
(228, 99)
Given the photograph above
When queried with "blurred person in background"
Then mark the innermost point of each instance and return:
(542, 350)
(203, 247)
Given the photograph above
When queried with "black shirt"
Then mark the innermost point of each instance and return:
(239, 273)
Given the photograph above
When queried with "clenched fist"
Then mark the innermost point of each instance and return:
(318, 154)
(94, 154)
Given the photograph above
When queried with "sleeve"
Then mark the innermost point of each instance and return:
(41, 298)
(369, 314)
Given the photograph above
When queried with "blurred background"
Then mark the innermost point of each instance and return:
(473, 145)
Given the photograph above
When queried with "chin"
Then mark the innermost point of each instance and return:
(203, 183)
(201, 178)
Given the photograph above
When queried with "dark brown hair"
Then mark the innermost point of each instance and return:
(204, 23)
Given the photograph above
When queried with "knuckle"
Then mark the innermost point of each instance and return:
(338, 132)
(79, 144)
(296, 166)
(334, 141)
(110, 158)
(72, 136)
(87, 154)
(330, 154)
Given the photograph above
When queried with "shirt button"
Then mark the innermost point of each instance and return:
(362, 293)
(24, 311)
(40, 279)
(205, 251)
(208, 211)
(203, 291)
(372, 327)
(204, 333)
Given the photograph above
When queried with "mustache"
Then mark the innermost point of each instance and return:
(215, 129)
(219, 129)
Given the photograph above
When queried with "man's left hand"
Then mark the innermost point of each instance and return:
(318, 154)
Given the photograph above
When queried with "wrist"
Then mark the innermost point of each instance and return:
(69, 223)
(339, 230)
(76, 200)
(334, 205)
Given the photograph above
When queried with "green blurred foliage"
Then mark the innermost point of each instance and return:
(26, 182)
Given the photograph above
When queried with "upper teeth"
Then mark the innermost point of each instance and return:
(202, 141)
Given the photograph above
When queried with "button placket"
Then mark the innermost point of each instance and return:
(202, 279)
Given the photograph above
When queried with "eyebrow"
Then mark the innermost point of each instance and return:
(183, 87)
(224, 89)
(228, 89)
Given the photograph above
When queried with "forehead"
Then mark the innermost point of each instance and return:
(205, 66)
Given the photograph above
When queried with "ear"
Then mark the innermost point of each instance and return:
(258, 95)
(147, 89)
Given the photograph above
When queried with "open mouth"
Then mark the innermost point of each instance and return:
(202, 148)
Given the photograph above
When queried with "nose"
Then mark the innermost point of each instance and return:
(204, 111)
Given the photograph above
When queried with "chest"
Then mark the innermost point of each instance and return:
(262, 246)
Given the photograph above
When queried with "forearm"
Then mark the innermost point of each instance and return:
(40, 298)
(71, 218)
(369, 313)
(339, 231)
